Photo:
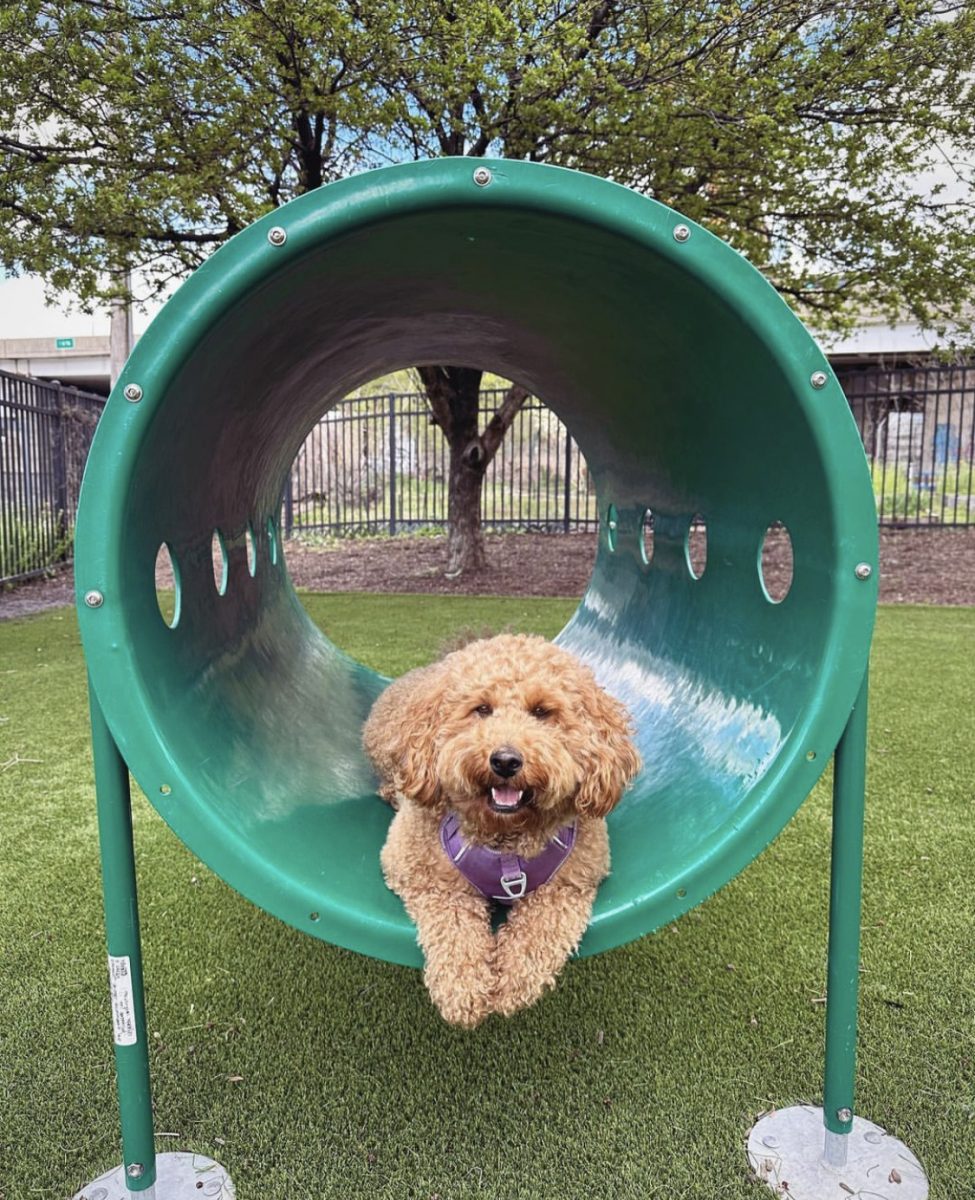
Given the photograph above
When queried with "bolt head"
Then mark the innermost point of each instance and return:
(844, 1114)
(132, 393)
(818, 379)
(277, 236)
(863, 571)
(681, 233)
(135, 1170)
(94, 599)
(482, 177)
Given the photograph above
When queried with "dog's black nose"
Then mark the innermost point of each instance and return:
(506, 762)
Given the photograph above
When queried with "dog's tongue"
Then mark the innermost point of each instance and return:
(505, 797)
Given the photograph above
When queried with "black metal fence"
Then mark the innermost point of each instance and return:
(45, 433)
(378, 465)
(918, 428)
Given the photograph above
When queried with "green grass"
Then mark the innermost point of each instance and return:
(314, 1073)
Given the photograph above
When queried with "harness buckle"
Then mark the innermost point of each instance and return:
(515, 886)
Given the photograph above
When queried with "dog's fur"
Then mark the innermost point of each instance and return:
(431, 736)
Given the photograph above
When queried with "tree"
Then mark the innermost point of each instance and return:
(141, 133)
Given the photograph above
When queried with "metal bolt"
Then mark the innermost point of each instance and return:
(863, 571)
(135, 1170)
(482, 176)
(818, 379)
(277, 236)
(681, 233)
(844, 1114)
(94, 599)
(133, 392)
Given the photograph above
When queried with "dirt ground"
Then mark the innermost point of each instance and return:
(928, 566)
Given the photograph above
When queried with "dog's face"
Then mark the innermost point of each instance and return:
(514, 734)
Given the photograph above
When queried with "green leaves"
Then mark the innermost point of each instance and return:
(832, 144)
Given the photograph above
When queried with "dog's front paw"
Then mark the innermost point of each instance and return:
(534, 944)
(522, 975)
(463, 998)
(512, 994)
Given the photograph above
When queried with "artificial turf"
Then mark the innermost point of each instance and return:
(312, 1072)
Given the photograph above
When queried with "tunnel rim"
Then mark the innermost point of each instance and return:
(355, 203)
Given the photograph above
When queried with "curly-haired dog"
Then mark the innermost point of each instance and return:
(503, 760)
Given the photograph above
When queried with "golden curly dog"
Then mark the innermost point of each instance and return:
(503, 760)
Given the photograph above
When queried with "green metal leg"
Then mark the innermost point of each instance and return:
(846, 877)
(785, 1150)
(124, 954)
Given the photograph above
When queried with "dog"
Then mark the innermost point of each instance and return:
(502, 760)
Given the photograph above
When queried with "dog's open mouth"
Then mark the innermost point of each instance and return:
(508, 799)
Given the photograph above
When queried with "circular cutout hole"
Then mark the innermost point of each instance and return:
(776, 563)
(696, 546)
(612, 525)
(251, 549)
(646, 538)
(272, 541)
(167, 586)
(681, 893)
(314, 916)
(373, 464)
(218, 552)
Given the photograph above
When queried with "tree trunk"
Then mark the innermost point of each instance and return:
(454, 395)
(465, 535)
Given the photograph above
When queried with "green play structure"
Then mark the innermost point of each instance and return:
(694, 394)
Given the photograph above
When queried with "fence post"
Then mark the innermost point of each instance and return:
(568, 481)
(392, 462)
(289, 505)
(60, 465)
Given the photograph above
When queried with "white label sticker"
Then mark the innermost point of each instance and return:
(123, 1000)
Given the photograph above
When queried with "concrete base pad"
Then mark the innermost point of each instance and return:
(785, 1151)
(178, 1177)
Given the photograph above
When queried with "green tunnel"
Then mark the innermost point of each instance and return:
(691, 389)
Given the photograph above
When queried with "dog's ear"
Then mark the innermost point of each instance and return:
(610, 759)
(400, 733)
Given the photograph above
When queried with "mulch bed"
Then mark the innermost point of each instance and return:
(917, 566)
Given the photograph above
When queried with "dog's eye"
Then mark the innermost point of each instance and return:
(483, 710)
(540, 712)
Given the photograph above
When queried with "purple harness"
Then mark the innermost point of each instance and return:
(493, 872)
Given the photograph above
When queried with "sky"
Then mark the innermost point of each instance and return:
(24, 314)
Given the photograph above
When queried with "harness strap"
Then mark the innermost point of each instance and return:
(500, 875)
